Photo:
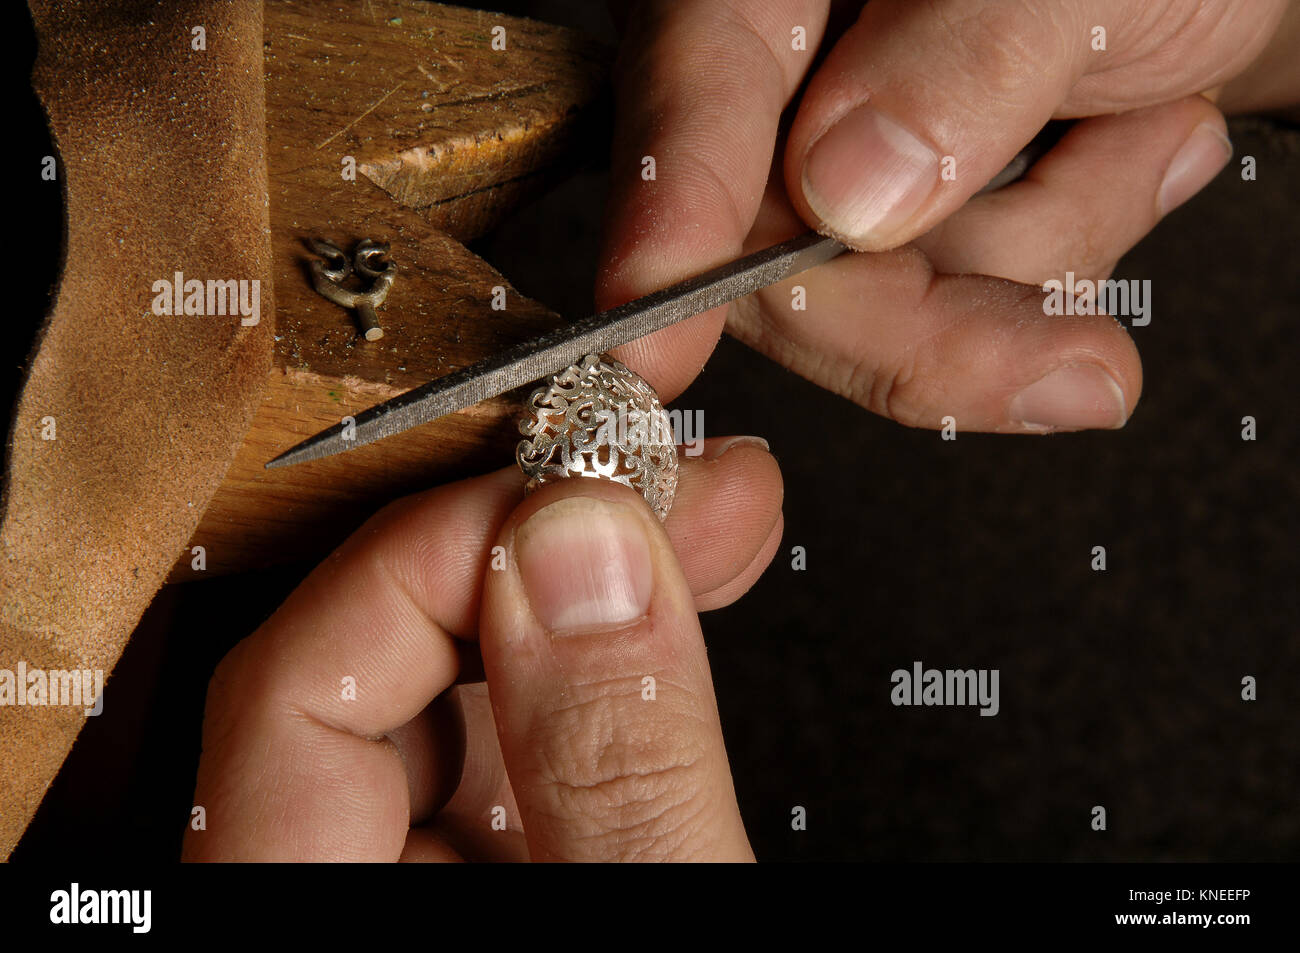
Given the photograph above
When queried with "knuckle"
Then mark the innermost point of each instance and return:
(891, 389)
(1088, 248)
(242, 693)
(224, 709)
(224, 685)
(627, 782)
(1006, 43)
(899, 394)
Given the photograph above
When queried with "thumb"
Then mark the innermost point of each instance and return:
(600, 687)
(919, 105)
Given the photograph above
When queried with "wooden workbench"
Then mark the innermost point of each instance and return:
(447, 134)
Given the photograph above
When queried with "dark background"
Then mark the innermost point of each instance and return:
(1119, 688)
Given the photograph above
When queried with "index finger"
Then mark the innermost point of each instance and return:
(700, 93)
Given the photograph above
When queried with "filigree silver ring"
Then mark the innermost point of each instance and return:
(599, 419)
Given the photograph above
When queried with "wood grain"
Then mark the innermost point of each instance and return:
(447, 134)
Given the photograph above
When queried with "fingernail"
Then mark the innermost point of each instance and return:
(585, 564)
(1206, 151)
(1081, 397)
(719, 447)
(866, 176)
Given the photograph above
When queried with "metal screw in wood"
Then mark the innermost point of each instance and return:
(369, 261)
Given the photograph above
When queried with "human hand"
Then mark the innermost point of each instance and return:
(593, 596)
(912, 333)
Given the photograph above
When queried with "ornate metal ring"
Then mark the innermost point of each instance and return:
(598, 419)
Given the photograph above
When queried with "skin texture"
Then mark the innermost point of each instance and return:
(912, 333)
(413, 767)
(560, 741)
